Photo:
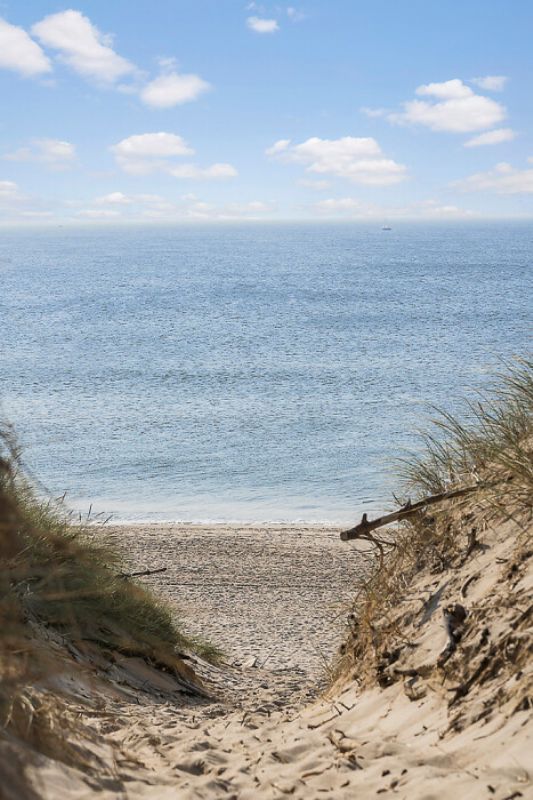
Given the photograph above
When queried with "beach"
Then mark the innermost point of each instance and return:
(274, 596)
(269, 726)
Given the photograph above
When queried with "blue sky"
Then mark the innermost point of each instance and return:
(215, 110)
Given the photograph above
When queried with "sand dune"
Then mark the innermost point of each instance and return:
(266, 731)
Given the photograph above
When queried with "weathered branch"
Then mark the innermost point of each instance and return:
(366, 526)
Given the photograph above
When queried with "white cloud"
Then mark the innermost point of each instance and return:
(20, 53)
(8, 189)
(139, 207)
(503, 179)
(278, 147)
(358, 159)
(318, 186)
(260, 25)
(352, 208)
(145, 153)
(492, 83)
(192, 172)
(114, 198)
(338, 205)
(56, 153)
(373, 112)
(434, 210)
(496, 136)
(196, 209)
(457, 109)
(173, 89)
(152, 144)
(99, 213)
(82, 46)
(258, 205)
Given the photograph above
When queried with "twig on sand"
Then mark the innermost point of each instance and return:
(142, 573)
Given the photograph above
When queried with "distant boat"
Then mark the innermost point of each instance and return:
(386, 228)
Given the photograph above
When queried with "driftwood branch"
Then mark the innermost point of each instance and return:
(143, 573)
(366, 526)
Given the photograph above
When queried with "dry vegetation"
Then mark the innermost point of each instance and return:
(58, 580)
(63, 576)
(493, 450)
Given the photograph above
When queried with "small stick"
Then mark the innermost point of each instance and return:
(141, 574)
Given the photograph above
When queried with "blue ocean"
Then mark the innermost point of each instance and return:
(254, 372)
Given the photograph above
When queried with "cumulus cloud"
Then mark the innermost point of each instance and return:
(82, 46)
(358, 159)
(492, 83)
(20, 53)
(261, 25)
(146, 153)
(56, 153)
(503, 179)
(192, 172)
(496, 136)
(278, 147)
(114, 198)
(89, 52)
(173, 89)
(152, 144)
(453, 106)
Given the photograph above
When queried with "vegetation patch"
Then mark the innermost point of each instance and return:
(490, 449)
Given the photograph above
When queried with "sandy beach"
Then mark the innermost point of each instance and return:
(275, 599)
(265, 722)
(274, 596)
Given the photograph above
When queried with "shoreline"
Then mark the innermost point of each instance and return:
(232, 524)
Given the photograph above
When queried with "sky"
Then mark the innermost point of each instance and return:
(171, 111)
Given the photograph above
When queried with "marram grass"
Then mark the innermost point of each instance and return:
(61, 575)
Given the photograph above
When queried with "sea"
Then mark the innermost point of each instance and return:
(248, 373)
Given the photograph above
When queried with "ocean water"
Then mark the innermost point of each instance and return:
(248, 373)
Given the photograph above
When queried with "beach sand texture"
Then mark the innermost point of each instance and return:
(266, 731)
(273, 596)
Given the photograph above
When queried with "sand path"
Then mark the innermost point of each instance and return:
(273, 598)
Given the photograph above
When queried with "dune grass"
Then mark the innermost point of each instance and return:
(60, 579)
(491, 448)
(64, 576)
(492, 444)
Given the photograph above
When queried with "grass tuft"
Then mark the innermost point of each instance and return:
(491, 448)
(62, 576)
(493, 444)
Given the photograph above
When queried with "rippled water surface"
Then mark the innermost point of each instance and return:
(267, 372)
